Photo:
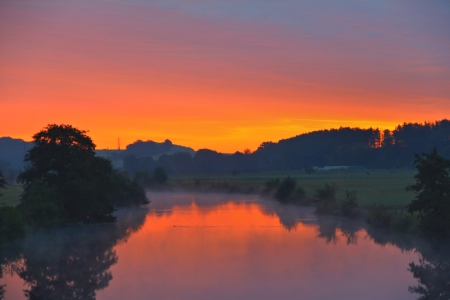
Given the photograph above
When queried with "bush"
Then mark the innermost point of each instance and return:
(285, 189)
(298, 196)
(126, 191)
(11, 224)
(159, 176)
(349, 206)
(326, 202)
(382, 217)
(271, 185)
(378, 216)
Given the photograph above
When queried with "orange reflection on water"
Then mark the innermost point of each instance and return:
(240, 250)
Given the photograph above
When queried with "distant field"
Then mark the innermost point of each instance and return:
(385, 187)
(11, 195)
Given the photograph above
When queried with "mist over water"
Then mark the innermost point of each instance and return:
(187, 246)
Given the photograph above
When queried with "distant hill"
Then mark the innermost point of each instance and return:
(154, 149)
(149, 150)
(12, 152)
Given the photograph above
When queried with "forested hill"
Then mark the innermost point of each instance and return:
(12, 152)
(337, 147)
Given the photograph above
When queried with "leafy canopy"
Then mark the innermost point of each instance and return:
(432, 190)
(2, 182)
(66, 182)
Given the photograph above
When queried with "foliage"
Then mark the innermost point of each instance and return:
(143, 177)
(126, 191)
(2, 182)
(349, 206)
(66, 182)
(432, 188)
(432, 273)
(159, 175)
(383, 217)
(11, 224)
(378, 216)
(326, 201)
(345, 146)
(298, 196)
(285, 189)
(270, 185)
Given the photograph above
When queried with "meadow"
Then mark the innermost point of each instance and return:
(380, 187)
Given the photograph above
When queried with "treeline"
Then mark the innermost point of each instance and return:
(370, 148)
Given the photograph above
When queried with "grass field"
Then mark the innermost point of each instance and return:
(11, 195)
(386, 187)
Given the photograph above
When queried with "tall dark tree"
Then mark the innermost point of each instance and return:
(65, 181)
(432, 190)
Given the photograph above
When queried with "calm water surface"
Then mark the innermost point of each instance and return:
(185, 246)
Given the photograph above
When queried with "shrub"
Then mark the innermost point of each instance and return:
(378, 216)
(298, 196)
(349, 206)
(11, 224)
(326, 201)
(271, 185)
(285, 189)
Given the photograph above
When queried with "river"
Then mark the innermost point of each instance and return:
(187, 246)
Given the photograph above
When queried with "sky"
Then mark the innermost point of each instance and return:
(221, 74)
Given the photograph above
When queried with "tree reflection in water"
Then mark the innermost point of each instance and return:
(72, 263)
(432, 273)
(433, 270)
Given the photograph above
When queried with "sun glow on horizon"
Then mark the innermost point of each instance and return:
(220, 75)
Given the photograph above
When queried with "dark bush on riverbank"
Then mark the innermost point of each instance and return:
(326, 201)
(271, 185)
(349, 206)
(126, 191)
(11, 224)
(285, 189)
(393, 219)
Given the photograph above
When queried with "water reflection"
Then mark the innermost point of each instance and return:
(72, 263)
(432, 273)
(211, 246)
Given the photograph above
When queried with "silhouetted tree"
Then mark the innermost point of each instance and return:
(432, 190)
(65, 181)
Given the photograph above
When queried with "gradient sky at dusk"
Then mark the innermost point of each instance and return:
(224, 75)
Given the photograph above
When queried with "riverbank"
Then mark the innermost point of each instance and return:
(373, 187)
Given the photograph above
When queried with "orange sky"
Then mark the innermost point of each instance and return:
(219, 74)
